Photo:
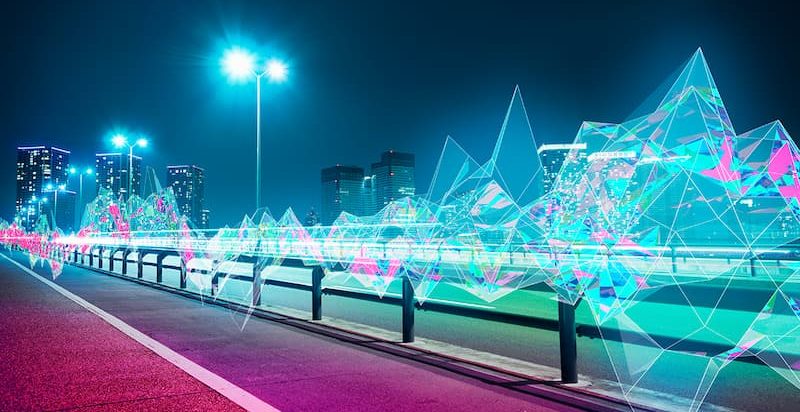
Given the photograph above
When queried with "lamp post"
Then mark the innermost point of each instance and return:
(73, 171)
(239, 64)
(122, 141)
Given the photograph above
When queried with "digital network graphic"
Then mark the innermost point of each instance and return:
(668, 199)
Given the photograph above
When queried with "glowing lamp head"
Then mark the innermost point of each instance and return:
(277, 71)
(62, 187)
(49, 186)
(44, 200)
(238, 64)
(141, 142)
(72, 170)
(89, 171)
(119, 140)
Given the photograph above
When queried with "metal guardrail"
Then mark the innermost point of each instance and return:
(566, 312)
(566, 325)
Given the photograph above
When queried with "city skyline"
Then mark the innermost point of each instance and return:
(456, 85)
(48, 184)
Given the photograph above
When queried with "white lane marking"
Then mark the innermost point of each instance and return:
(236, 394)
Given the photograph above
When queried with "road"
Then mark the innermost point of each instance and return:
(62, 356)
(667, 312)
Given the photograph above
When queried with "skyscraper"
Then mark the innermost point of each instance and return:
(555, 156)
(188, 185)
(37, 167)
(111, 172)
(342, 191)
(393, 178)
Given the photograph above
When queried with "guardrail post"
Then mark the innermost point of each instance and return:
(160, 267)
(567, 342)
(183, 273)
(100, 257)
(111, 260)
(75, 255)
(215, 277)
(674, 262)
(125, 254)
(753, 267)
(316, 292)
(257, 282)
(139, 264)
(408, 310)
(91, 256)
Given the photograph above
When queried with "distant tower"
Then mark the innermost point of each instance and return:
(342, 191)
(111, 172)
(37, 167)
(188, 185)
(554, 156)
(393, 177)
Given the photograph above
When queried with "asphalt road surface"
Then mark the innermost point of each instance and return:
(58, 355)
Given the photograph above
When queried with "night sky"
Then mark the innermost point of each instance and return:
(365, 77)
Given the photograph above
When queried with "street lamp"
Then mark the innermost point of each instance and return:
(120, 141)
(240, 65)
(73, 171)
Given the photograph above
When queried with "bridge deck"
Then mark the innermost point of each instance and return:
(62, 356)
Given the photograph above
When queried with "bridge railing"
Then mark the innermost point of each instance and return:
(132, 262)
(106, 257)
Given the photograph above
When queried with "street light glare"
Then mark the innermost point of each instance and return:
(72, 170)
(141, 142)
(119, 140)
(89, 171)
(238, 64)
(277, 71)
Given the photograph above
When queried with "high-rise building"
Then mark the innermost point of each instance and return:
(393, 178)
(342, 191)
(188, 185)
(111, 172)
(555, 156)
(37, 167)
